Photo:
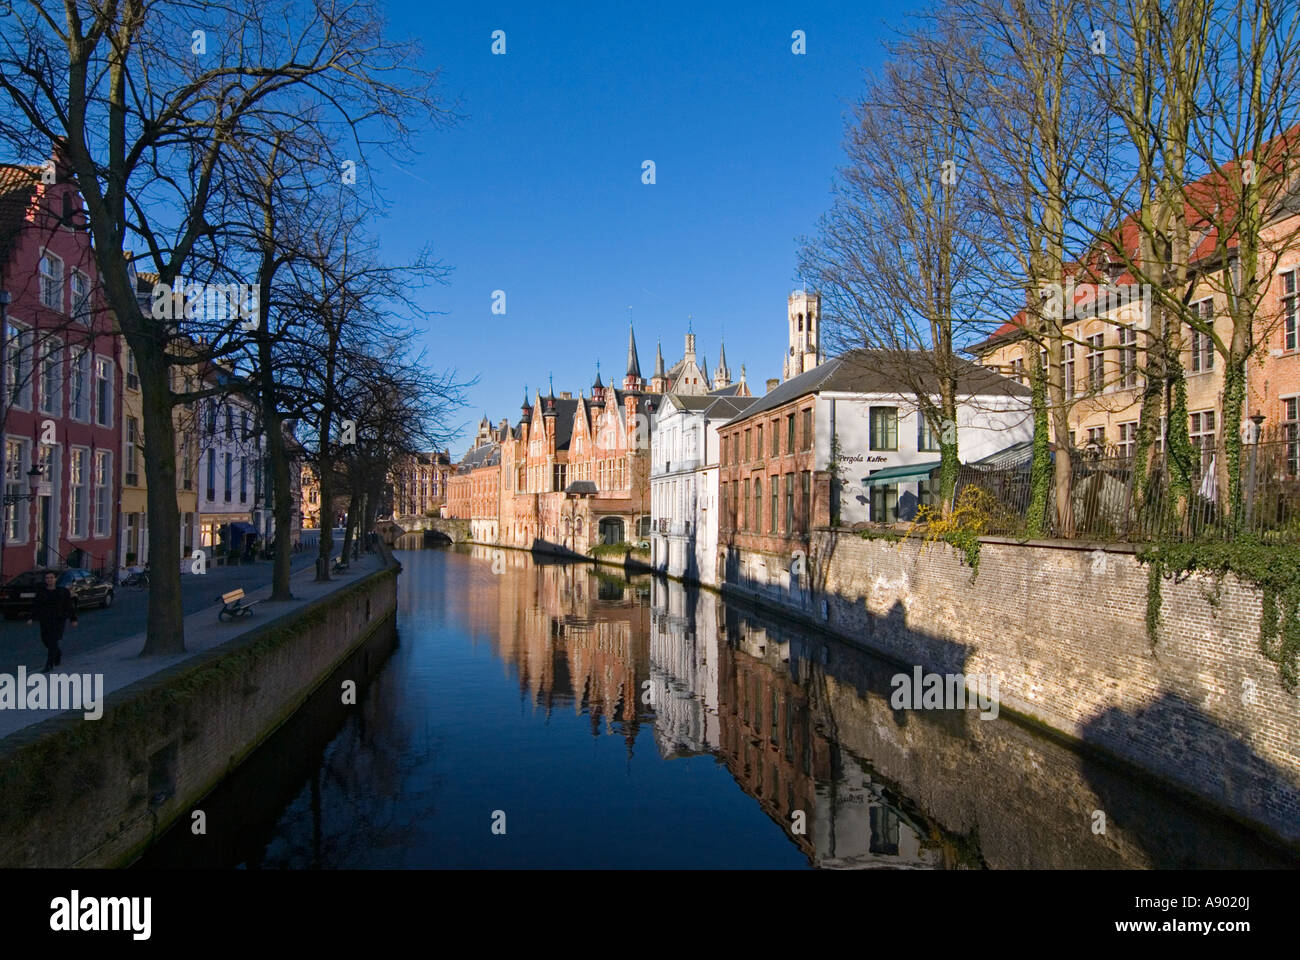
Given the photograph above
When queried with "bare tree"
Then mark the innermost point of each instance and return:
(154, 101)
(897, 259)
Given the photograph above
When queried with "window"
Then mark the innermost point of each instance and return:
(132, 374)
(789, 499)
(774, 488)
(789, 433)
(212, 474)
(1096, 362)
(79, 480)
(79, 400)
(884, 502)
(229, 475)
(1018, 369)
(1202, 436)
(807, 429)
(104, 391)
(1127, 445)
(243, 479)
(776, 438)
(52, 378)
(884, 428)
(103, 492)
(1128, 357)
(80, 289)
(926, 438)
(243, 426)
(758, 505)
(52, 282)
(18, 377)
(1203, 343)
(1291, 434)
(230, 424)
(758, 441)
(805, 503)
(744, 505)
(1097, 436)
(16, 512)
(131, 452)
(1067, 363)
(1289, 310)
(746, 444)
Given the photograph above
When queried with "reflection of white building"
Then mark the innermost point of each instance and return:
(684, 669)
(855, 828)
(684, 484)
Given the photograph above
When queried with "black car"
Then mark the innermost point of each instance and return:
(87, 590)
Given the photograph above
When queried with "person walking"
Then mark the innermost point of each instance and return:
(53, 607)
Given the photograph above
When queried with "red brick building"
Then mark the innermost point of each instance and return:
(64, 375)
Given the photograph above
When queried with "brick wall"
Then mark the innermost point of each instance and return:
(1063, 630)
(79, 793)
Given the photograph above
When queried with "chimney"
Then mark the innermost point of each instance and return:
(566, 394)
(772, 384)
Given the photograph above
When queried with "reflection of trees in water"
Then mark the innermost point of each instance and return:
(370, 799)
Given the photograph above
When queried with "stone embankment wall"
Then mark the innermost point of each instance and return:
(95, 793)
(1063, 630)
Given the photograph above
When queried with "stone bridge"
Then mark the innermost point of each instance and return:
(440, 528)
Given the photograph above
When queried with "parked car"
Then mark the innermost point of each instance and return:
(87, 589)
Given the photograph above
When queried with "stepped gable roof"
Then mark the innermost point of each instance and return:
(879, 371)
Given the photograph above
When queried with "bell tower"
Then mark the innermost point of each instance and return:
(804, 317)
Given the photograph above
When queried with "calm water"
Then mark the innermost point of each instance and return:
(606, 722)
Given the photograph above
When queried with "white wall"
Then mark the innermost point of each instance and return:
(985, 425)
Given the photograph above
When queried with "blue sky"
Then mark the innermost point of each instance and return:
(538, 192)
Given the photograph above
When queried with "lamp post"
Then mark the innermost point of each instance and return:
(33, 478)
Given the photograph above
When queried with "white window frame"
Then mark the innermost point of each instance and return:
(17, 515)
(105, 364)
(51, 356)
(50, 281)
(79, 468)
(79, 304)
(101, 492)
(1290, 305)
(81, 390)
(1202, 360)
(19, 339)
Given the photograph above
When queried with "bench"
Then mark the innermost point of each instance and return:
(234, 604)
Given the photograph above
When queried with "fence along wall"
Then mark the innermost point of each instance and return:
(1063, 629)
(95, 793)
(1107, 505)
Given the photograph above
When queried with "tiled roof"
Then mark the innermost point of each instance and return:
(883, 371)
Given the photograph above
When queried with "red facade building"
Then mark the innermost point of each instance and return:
(63, 374)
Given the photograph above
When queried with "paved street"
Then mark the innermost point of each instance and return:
(20, 643)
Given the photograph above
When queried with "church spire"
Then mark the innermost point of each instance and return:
(721, 375)
(632, 380)
(659, 359)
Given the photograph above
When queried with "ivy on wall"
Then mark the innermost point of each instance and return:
(1273, 568)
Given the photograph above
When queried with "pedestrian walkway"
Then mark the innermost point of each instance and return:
(120, 664)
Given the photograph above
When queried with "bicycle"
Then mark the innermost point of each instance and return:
(139, 580)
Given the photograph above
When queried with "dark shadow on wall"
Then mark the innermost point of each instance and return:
(1192, 740)
(1030, 795)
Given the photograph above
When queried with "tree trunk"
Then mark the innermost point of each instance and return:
(1040, 467)
(165, 632)
(325, 466)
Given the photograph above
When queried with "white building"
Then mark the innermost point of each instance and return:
(233, 474)
(684, 483)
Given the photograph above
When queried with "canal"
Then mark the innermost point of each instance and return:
(539, 714)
